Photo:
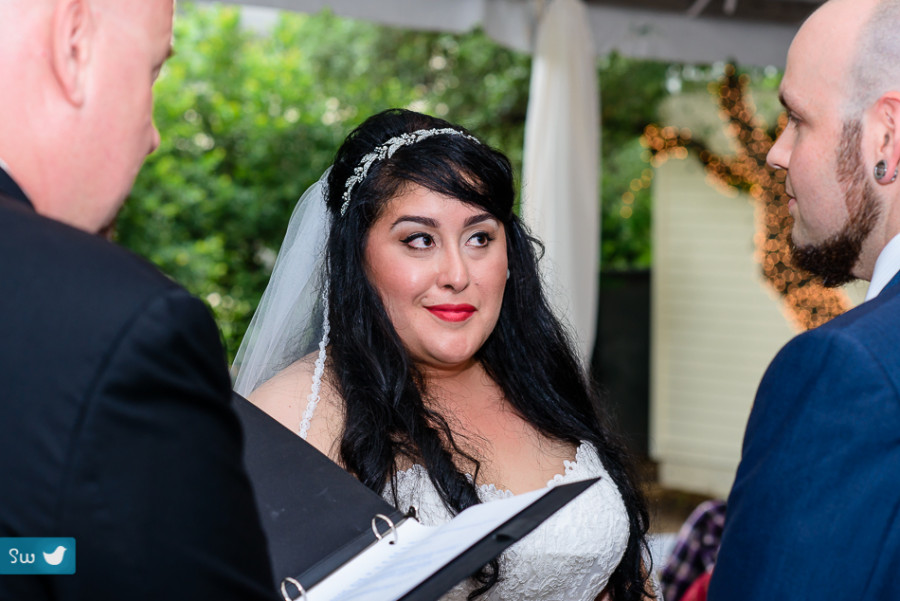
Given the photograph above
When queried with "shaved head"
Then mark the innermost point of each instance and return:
(875, 68)
(853, 45)
(856, 44)
(80, 124)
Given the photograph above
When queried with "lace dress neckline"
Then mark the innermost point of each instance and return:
(569, 557)
(490, 491)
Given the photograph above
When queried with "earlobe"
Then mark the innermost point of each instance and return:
(71, 38)
(888, 122)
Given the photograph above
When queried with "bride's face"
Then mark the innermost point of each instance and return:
(439, 266)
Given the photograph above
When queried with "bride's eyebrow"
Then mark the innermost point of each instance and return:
(431, 222)
(426, 221)
(478, 219)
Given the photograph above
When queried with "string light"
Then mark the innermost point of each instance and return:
(808, 304)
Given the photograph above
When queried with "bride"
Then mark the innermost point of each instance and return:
(441, 378)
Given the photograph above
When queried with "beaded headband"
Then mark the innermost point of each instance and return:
(387, 150)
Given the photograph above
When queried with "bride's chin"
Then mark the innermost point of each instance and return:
(446, 364)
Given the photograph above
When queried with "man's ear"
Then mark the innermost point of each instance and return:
(71, 39)
(887, 124)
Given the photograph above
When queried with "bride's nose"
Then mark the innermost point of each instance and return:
(453, 272)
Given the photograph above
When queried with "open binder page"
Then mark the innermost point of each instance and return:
(389, 571)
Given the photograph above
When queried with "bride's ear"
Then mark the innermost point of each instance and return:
(71, 43)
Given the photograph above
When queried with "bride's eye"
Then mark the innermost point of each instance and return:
(480, 239)
(419, 240)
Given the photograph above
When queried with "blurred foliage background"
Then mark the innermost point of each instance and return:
(249, 119)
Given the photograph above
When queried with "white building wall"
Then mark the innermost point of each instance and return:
(716, 325)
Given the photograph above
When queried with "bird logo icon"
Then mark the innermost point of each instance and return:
(55, 558)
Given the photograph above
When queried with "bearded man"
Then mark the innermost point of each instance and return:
(814, 510)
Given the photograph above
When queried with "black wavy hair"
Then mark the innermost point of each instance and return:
(528, 354)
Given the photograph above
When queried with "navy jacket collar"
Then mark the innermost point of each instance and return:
(10, 189)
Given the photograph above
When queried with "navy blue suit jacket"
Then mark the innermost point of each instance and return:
(115, 424)
(815, 508)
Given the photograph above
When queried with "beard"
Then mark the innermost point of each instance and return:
(835, 258)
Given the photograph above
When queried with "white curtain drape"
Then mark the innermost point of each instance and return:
(562, 159)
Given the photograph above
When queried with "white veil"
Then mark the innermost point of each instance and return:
(290, 320)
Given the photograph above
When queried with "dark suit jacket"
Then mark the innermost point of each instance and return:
(815, 508)
(115, 424)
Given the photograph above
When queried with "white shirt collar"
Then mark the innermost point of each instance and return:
(886, 267)
(3, 165)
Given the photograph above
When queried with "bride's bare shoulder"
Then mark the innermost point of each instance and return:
(286, 395)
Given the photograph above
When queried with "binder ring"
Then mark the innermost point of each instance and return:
(391, 528)
(284, 593)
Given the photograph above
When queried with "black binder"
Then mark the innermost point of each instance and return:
(317, 517)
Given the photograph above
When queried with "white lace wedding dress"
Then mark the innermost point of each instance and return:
(569, 557)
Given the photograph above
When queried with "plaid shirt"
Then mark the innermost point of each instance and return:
(695, 549)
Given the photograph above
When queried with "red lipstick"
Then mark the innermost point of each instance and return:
(454, 313)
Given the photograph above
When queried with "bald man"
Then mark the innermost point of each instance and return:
(115, 421)
(815, 508)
